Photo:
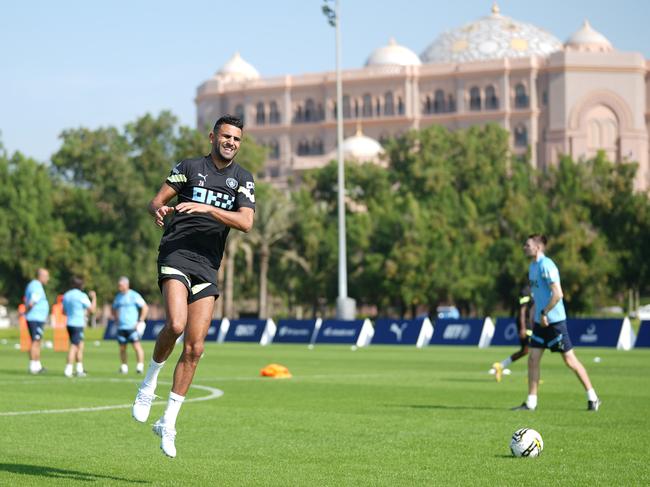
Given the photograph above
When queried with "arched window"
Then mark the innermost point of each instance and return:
(400, 106)
(299, 115)
(367, 105)
(303, 148)
(451, 103)
(389, 108)
(491, 100)
(260, 115)
(378, 108)
(474, 98)
(316, 147)
(310, 110)
(274, 149)
(274, 114)
(320, 112)
(239, 112)
(356, 108)
(428, 105)
(346, 106)
(439, 102)
(521, 136)
(521, 98)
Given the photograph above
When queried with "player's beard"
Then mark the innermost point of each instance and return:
(219, 153)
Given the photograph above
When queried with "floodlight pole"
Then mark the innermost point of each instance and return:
(345, 306)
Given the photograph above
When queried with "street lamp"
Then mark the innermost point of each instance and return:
(345, 306)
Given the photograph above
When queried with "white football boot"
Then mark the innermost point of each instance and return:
(168, 436)
(142, 406)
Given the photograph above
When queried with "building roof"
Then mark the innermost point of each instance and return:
(393, 54)
(492, 37)
(588, 39)
(237, 69)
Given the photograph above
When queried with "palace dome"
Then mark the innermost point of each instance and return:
(361, 147)
(237, 69)
(492, 37)
(393, 54)
(588, 39)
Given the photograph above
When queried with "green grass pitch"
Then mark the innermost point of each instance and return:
(377, 416)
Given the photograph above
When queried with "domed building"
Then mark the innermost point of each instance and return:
(555, 98)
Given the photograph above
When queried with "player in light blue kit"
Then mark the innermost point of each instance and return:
(129, 311)
(38, 309)
(76, 304)
(549, 329)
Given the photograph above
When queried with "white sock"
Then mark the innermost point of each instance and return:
(39, 365)
(531, 402)
(68, 369)
(33, 366)
(139, 367)
(505, 362)
(591, 395)
(80, 368)
(124, 368)
(173, 407)
(151, 379)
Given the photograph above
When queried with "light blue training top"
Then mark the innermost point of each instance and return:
(541, 274)
(75, 303)
(35, 295)
(128, 306)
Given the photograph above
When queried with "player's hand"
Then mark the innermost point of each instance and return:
(92, 294)
(544, 321)
(189, 207)
(523, 335)
(161, 213)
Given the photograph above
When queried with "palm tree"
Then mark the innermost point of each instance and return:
(235, 243)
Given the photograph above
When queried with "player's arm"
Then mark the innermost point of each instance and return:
(144, 311)
(523, 318)
(158, 205)
(242, 219)
(556, 296)
(93, 301)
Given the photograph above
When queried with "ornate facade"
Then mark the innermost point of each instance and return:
(555, 98)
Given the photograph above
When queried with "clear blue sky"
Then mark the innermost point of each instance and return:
(72, 63)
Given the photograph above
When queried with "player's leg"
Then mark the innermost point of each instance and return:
(175, 294)
(124, 367)
(80, 357)
(198, 323)
(139, 356)
(72, 354)
(572, 361)
(36, 333)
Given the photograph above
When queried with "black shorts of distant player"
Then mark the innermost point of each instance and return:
(555, 337)
(190, 268)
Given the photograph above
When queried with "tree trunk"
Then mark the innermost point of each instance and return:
(229, 308)
(264, 271)
(220, 281)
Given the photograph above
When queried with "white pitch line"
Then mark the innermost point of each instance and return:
(214, 394)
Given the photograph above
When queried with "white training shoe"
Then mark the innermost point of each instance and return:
(67, 373)
(168, 436)
(142, 406)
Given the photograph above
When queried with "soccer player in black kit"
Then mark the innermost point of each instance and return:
(214, 194)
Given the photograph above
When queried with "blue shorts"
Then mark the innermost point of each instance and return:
(76, 334)
(127, 336)
(35, 329)
(555, 337)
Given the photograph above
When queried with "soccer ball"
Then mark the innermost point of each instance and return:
(526, 442)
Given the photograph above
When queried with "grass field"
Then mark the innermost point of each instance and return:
(378, 416)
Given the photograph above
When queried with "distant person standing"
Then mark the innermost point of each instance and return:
(524, 331)
(76, 305)
(37, 308)
(129, 311)
(549, 329)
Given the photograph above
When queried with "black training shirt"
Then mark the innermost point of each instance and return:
(199, 180)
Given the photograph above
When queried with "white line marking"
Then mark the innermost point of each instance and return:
(214, 394)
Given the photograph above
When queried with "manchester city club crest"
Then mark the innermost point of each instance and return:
(232, 183)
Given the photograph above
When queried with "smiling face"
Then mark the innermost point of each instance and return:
(226, 142)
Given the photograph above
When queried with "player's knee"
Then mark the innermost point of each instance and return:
(193, 351)
(175, 327)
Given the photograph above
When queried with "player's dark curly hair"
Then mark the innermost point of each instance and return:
(229, 120)
(76, 282)
(538, 238)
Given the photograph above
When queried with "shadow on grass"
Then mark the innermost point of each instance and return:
(59, 473)
(442, 406)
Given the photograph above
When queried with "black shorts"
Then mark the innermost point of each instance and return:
(193, 270)
(554, 337)
(35, 329)
(76, 334)
(127, 336)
